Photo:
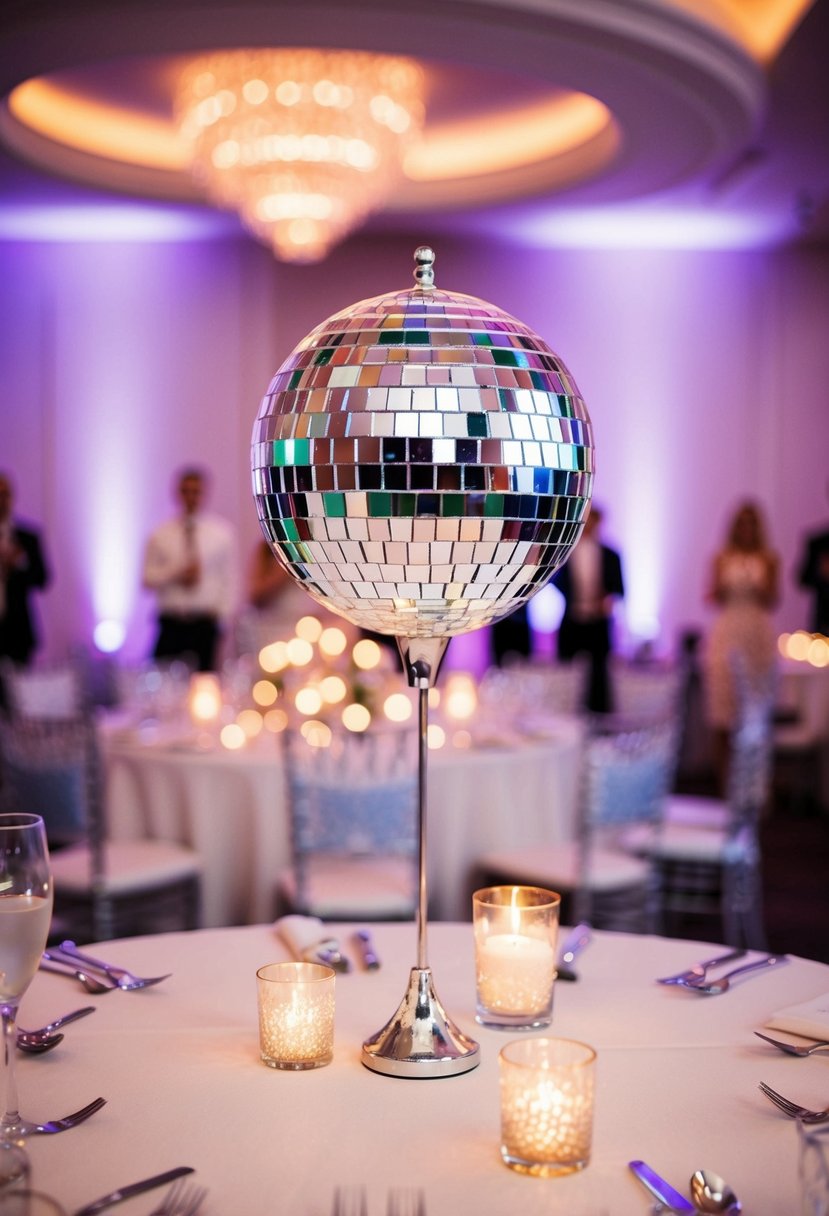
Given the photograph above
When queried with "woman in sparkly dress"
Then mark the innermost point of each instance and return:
(741, 642)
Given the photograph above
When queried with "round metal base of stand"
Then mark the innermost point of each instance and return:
(421, 1040)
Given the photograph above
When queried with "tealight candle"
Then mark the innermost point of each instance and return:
(296, 1014)
(546, 1105)
(205, 697)
(515, 942)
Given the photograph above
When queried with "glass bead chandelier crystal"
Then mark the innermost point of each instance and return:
(302, 143)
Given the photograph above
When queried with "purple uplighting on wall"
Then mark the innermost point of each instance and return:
(704, 373)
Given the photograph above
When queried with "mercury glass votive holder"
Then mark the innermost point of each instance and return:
(546, 1105)
(296, 1014)
(515, 951)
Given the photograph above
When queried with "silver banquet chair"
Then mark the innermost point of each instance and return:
(708, 850)
(354, 830)
(51, 692)
(541, 687)
(647, 691)
(626, 774)
(103, 888)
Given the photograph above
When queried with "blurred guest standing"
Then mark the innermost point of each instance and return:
(22, 570)
(190, 563)
(814, 574)
(275, 602)
(743, 585)
(512, 637)
(590, 582)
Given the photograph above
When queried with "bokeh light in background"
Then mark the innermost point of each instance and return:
(356, 718)
(460, 696)
(109, 636)
(803, 647)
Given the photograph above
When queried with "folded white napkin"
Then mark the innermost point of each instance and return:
(309, 941)
(810, 1019)
(300, 933)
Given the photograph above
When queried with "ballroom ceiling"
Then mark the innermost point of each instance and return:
(702, 123)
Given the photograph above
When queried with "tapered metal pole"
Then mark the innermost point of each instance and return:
(421, 1040)
(423, 897)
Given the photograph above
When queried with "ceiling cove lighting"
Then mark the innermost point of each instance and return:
(303, 144)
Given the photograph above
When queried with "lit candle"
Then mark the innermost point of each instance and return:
(296, 1014)
(515, 974)
(546, 1105)
(515, 936)
(205, 697)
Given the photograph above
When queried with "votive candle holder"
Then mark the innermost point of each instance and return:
(515, 929)
(296, 1015)
(546, 1090)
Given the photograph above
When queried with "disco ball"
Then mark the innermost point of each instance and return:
(422, 462)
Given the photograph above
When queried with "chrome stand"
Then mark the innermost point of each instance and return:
(421, 1040)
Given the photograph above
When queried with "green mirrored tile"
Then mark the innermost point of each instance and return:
(379, 504)
(333, 506)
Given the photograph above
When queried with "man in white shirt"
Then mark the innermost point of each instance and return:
(190, 563)
(590, 581)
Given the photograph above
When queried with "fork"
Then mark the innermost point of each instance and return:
(123, 978)
(792, 1109)
(350, 1201)
(406, 1202)
(24, 1128)
(182, 1199)
(792, 1048)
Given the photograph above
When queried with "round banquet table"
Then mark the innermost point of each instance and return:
(677, 1077)
(230, 806)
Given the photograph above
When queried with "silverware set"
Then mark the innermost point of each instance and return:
(793, 1109)
(67, 955)
(138, 1188)
(696, 978)
(183, 1197)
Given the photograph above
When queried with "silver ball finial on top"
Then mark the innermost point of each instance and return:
(424, 274)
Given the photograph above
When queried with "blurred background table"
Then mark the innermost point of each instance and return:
(230, 807)
(677, 1078)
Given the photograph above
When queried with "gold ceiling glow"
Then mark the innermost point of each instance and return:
(303, 144)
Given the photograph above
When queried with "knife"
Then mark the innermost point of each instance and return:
(134, 1188)
(575, 941)
(329, 953)
(370, 957)
(661, 1189)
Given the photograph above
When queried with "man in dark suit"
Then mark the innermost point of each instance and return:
(590, 581)
(22, 570)
(814, 574)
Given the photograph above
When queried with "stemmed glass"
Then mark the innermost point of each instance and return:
(25, 914)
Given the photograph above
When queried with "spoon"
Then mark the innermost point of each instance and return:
(710, 1194)
(93, 987)
(36, 1044)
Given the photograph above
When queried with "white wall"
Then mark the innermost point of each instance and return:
(705, 374)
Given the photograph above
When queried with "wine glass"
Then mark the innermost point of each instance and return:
(25, 914)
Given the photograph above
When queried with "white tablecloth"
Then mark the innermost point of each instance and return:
(230, 807)
(677, 1077)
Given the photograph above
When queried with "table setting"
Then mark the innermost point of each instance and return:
(179, 1065)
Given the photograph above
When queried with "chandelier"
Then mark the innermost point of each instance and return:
(302, 143)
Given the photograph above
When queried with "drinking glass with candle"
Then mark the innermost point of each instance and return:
(546, 1105)
(296, 1014)
(25, 916)
(515, 951)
